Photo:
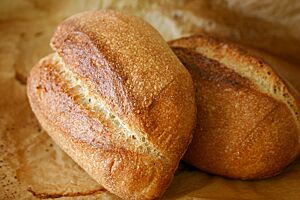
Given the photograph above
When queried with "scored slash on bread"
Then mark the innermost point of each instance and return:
(248, 116)
(116, 98)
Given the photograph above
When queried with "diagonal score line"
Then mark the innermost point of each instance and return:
(93, 102)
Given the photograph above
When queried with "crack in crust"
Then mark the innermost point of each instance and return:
(260, 73)
(101, 110)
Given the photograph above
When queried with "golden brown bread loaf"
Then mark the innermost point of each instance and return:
(248, 117)
(117, 100)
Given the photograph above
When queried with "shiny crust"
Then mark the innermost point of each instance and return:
(125, 66)
(242, 132)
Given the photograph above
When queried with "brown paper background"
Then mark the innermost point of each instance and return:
(32, 166)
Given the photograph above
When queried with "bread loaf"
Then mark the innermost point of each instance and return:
(115, 98)
(248, 117)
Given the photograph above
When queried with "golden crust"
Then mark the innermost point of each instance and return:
(238, 57)
(242, 132)
(126, 54)
(123, 65)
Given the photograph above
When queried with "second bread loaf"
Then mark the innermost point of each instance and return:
(248, 116)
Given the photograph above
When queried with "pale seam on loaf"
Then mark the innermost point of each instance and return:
(264, 83)
(94, 102)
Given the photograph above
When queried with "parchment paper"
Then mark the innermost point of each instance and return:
(32, 166)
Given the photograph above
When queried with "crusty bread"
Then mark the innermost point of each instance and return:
(248, 117)
(117, 100)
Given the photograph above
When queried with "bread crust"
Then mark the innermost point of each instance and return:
(134, 81)
(241, 132)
